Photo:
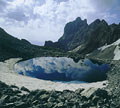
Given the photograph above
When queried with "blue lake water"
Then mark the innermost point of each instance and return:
(62, 69)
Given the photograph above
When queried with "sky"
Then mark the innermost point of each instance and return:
(42, 20)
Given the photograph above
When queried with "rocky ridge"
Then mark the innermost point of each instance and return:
(87, 38)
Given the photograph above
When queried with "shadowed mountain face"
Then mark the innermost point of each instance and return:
(11, 47)
(74, 34)
(87, 37)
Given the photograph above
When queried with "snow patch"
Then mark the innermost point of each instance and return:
(76, 49)
(106, 46)
(117, 53)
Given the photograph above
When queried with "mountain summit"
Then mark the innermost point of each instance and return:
(73, 35)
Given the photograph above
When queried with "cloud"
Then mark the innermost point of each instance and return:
(45, 19)
(17, 15)
(2, 4)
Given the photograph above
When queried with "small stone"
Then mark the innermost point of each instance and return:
(78, 91)
(9, 105)
(95, 99)
(4, 99)
(60, 105)
(51, 99)
(44, 97)
(22, 105)
(25, 89)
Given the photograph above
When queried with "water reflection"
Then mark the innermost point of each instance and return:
(62, 69)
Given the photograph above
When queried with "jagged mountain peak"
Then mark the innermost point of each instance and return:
(78, 34)
(78, 19)
(104, 22)
(72, 30)
(74, 26)
(98, 22)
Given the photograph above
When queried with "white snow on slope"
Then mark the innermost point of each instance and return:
(76, 49)
(106, 46)
(8, 76)
(117, 53)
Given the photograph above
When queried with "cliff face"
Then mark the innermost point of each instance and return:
(74, 35)
(87, 37)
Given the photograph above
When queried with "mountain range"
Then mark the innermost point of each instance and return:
(79, 38)
(84, 38)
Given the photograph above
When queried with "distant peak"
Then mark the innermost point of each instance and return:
(104, 22)
(85, 20)
(97, 21)
(78, 19)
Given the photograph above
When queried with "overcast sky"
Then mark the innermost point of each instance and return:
(40, 20)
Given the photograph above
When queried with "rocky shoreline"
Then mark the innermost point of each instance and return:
(14, 97)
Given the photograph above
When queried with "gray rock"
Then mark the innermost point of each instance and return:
(51, 99)
(4, 99)
(89, 92)
(9, 105)
(44, 97)
(59, 105)
(22, 105)
(78, 91)
(25, 89)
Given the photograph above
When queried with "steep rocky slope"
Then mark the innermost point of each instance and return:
(114, 82)
(11, 47)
